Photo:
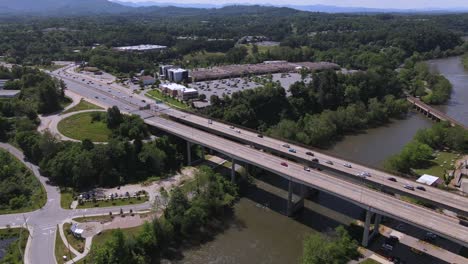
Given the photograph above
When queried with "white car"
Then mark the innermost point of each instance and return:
(347, 165)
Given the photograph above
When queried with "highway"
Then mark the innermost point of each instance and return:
(375, 201)
(441, 198)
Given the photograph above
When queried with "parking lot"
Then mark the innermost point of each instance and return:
(232, 85)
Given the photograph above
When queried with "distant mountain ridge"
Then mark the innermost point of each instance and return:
(309, 8)
(93, 7)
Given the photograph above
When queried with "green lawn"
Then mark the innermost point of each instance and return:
(14, 252)
(82, 105)
(80, 126)
(38, 196)
(76, 243)
(438, 165)
(66, 198)
(61, 250)
(100, 218)
(157, 95)
(115, 202)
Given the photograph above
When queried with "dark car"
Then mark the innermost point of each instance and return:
(260, 135)
(309, 153)
(284, 164)
(392, 179)
(409, 187)
(420, 188)
(315, 160)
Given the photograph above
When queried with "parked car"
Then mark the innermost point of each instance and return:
(392, 179)
(420, 188)
(309, 153)
(284, 164)
(347, 165)
(409, 187)
(329, 162)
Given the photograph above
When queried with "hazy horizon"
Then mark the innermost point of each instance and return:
(388, 4)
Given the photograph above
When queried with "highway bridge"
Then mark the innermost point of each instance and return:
(432, 112)
(373, 201)
(379, 178)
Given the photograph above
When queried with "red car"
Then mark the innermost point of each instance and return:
(284, 164)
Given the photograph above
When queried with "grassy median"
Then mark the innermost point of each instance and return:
(81, 126)
(61, 250)
(82, 105)
(114, 202)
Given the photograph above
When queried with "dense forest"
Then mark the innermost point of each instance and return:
(354, 41)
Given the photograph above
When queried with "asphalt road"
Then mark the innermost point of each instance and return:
(379, 202)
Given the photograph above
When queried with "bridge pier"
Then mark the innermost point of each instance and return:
(189, 153)
(202, 153)
(365, 235)
(294, 206)
(233, 170)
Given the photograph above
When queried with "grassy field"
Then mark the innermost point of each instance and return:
(61, 250)
(14, 252)
(80, 126)
(115, 202)
(76, 243)
(82, 105)
(37, 198)
(157, 95)
(66, 198)
(439, 165)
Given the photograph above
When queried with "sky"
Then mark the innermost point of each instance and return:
(397, 4)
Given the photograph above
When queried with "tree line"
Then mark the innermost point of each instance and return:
(319, 112)
(187, 217)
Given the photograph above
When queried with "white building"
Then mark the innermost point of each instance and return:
(179, 91)
(429, 180)
(177, 75)
(144, 47)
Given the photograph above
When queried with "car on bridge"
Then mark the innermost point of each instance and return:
(306, 168)
(420, 188)
(329, 162)
(409, 187)
(393, 179)
(286, 145)
(347, 165)
(292, 150)
(309, 153)
(284, 164)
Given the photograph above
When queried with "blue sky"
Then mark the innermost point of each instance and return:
(400, 4)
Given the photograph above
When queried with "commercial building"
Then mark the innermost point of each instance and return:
(179, 91)
(177, 75)
(141, 48)
(147, 80)
(163, 70)
(429, 180)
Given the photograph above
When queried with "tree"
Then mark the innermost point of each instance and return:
(114, 117)
(337, 249)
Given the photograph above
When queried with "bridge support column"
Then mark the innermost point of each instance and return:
(365, 235)
(233, 171)
(292, 205)
(189, 153)
(202, 153)
(377, 220)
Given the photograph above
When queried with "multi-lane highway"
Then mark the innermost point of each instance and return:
(438, 197)
(370, 199)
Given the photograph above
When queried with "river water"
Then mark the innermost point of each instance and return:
(260, 233)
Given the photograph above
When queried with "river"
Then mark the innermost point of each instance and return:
(259, 233)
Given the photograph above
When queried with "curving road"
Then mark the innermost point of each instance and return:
(42, 223)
